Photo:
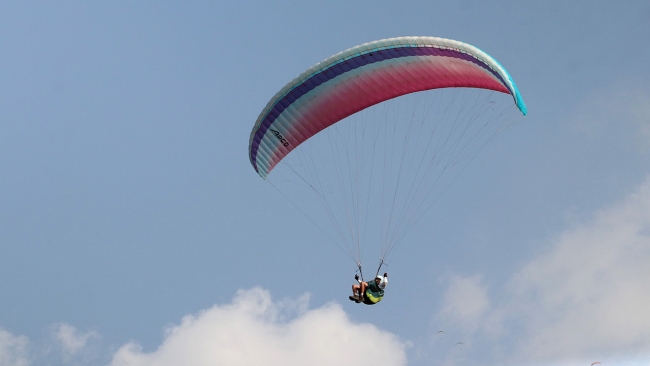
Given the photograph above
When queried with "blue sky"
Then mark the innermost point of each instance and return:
(131, 221)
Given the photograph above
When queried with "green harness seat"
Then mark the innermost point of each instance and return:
(373, 294)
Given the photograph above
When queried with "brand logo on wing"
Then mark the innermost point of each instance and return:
(280, 137)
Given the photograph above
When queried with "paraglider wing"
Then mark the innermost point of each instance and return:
(365, 142)
(362, 76)
(595, 363)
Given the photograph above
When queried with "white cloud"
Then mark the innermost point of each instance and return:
(13, 349)
(465, 303)
(587, 298)
(590, 294)
(71, 340)
(254, 330)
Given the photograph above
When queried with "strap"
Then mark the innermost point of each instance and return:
(381, 263)
(359, 270)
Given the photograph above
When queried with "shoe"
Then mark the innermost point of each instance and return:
(355, 299)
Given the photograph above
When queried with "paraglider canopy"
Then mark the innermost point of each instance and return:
(369, 138)
(362, 76)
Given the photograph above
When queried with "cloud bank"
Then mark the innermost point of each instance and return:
(71, 340)
(591, 292)
(13, 349)
(251, 330)
(254, 330)
(465, 302)
(587, 298)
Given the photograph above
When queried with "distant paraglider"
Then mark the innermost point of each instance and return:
(441, 333)
(460, 345)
